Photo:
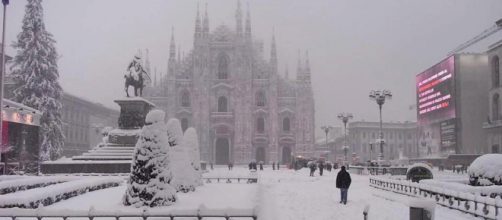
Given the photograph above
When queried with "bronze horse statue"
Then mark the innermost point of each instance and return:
(135, 77)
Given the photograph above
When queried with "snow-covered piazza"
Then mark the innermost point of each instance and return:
(144, 110)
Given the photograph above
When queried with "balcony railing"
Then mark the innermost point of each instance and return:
(493, 124)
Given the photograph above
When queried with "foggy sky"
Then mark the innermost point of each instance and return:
(354, 46)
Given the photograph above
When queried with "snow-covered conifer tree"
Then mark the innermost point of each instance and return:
(191, 142)
(151, 176)
(35, 72)
(174, 131)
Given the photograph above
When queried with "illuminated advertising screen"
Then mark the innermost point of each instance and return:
(436, 92)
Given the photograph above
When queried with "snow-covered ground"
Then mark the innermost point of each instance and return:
(279, 195)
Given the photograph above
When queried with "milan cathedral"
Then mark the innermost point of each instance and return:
(242, 109)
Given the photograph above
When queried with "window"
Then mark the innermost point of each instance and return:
(495, 107)
(260, 98)
(222, 67)
(222, 104)
(185, 99)
(184, 124)
(495, 72)
(260, 125)
(286, 124)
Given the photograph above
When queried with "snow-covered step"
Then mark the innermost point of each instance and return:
(113, 151)
(104, 157)
(117, 148)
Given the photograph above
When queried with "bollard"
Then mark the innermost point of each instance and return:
(366, 211)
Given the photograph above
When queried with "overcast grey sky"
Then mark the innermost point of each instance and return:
(354, 45)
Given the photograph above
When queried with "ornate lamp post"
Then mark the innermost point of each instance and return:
(326, 130)
(345, 117)
(380, 96)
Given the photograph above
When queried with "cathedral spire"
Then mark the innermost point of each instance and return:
(205, 25)
(197, 23)
(307, 66)
(238, 18)
(248, 22)
(273, 54)
(172, 47)
(179, 53)
(155, 76)
(147, 62)
(299, 71)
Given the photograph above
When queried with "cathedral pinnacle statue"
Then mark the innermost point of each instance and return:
(136, 76)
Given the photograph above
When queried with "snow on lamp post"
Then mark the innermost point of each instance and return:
(345, 117)
(380, 96)
(326, 130)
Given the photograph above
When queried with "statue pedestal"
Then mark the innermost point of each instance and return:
(132, 116)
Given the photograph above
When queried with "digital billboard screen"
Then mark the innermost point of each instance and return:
(436, 92)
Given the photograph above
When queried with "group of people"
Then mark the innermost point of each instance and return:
(254, 166)
(321, 165)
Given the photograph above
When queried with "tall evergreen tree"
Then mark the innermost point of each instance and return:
(35, 72)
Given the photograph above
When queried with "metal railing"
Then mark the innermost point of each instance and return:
(230, 179)
(471, 203)
(200, 213)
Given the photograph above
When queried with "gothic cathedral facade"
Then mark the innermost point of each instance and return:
(242, 109)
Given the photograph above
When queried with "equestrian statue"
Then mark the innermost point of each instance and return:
(136, 77)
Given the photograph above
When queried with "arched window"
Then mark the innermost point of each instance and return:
(260, 98)
(260, 125)
(184, 124)
(222, 104)
(286, 125)
(495, 72)
(222, 67)
(185, 99)
(495, 107)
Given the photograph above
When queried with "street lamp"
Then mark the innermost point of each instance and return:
(5, 3)
(379, 96)
(326, 130)
(345, 117)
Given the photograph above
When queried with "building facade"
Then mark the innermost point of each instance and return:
(83, 122)
(493, 126)
(400, 140)
(241, 107)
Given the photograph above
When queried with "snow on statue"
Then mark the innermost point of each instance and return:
(191, 142)
(150, 179)
(35, 73)
(184, 178)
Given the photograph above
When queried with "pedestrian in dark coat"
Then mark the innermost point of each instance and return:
(321, 168)
(261, 165)
(273, 165)
(278, 165)
(343, 183)
(312, 167)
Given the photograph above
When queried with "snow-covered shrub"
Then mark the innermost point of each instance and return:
(15, 185)
(184, 176)
(191, 142)
(51, 194)
(488, 166)
(149, 182)
(174, 132)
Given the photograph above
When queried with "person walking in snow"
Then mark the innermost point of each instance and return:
(273, 165)
(312, 167)
(343, 182)
(321, 168)
(278, 165)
